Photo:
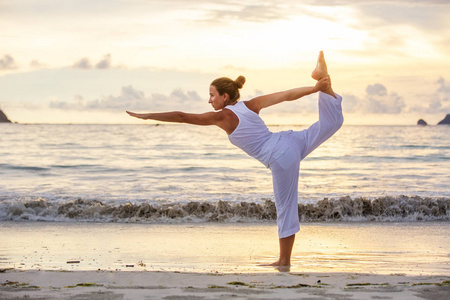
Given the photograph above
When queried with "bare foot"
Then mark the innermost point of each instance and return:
(278, 266)
(321, 68)
(279, 263)
(281, 267)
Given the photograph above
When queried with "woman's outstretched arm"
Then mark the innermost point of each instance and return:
(258, 103)
(209, 118)
(225, 119)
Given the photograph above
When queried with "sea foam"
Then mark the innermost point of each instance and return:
(398, 208)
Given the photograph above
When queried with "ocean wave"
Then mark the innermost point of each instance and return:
(382, 209)
(24, 168)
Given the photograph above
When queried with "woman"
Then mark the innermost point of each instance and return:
(281, 151)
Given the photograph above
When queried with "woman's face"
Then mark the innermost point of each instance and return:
(217, 101)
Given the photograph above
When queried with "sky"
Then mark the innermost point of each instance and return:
(83, 61)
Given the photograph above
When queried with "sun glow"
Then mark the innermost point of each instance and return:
(208, 41)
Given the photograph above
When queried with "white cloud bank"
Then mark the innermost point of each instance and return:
(437, 102)
(85, 63)
(133, 99)
(7, 63)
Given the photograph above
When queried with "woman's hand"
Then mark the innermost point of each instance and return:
(139, 116)
(323, 84)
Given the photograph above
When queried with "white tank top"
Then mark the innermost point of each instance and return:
(252, 134)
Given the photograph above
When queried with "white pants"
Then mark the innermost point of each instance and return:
(292, 147)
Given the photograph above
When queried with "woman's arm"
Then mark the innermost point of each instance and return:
(209, 118)
(225, 119)
(258, 103)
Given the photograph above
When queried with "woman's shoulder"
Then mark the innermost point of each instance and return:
(252, 105)
(228, 120)
(243, 106)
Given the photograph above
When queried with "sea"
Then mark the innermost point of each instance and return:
(178, 173)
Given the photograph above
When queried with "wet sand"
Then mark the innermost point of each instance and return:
(417, 248)
(212, 260)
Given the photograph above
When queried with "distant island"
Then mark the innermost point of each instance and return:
(422, 122)
(3, 117)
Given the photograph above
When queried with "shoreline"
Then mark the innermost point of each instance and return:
(36, 284)
(341, 261)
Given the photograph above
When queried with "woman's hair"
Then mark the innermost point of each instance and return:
(231, 87)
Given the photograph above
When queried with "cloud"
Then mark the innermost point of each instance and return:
(376, 90)
(423, 15)
(36, 64)
(378, 2)
(7, 63)
(376, 101)
(129, 98)
(259, 12)
(438, 102)
(254, 13)
(77, 103)
(133, 99)
(85, 63)
(390, 18)
(105, 63)
(385, 104)
(443, 89)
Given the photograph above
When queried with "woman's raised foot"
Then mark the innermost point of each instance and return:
(321, 68)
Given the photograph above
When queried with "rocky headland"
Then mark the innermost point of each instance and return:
(3, 117)
(445, 121)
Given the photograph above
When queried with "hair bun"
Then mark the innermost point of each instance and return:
(240, 81)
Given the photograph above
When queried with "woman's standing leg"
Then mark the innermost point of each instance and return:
(285, 167)
(286, 246)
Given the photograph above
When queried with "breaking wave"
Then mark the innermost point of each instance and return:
(398, 208)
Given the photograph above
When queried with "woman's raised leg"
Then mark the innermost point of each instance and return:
(321, 71)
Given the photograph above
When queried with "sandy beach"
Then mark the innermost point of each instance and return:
(41, 260)
(175, 285)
